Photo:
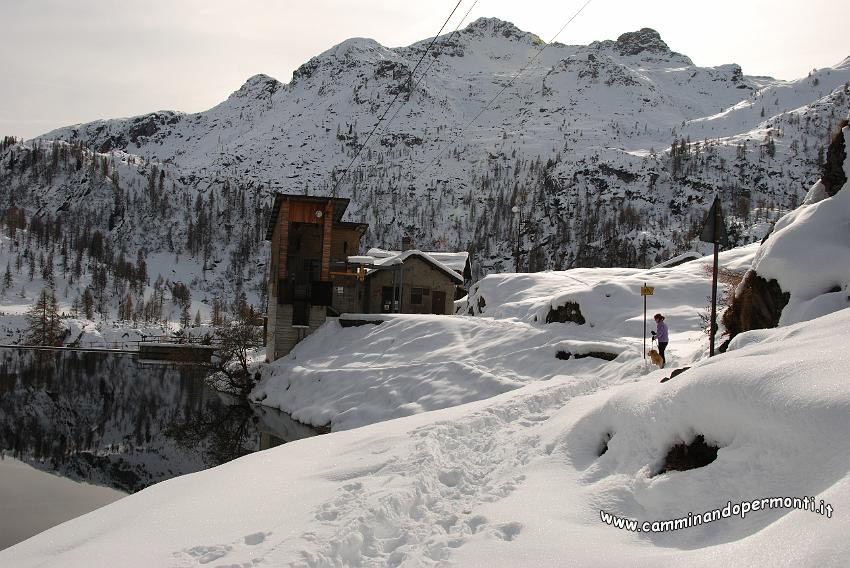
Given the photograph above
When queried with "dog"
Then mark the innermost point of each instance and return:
(656, 358)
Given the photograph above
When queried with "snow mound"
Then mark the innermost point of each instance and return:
(808, 254)
(609, 298)
(348, 377)
(409, 364)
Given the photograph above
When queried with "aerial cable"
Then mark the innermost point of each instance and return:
(422, 76)
(390, 121)
(503, 89)
(345, 172)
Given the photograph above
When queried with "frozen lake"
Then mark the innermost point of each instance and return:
(80, 430)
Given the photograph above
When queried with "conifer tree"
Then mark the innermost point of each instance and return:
(43, 321)
(88, 303)
(7, 278)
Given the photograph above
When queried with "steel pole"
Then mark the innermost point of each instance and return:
(711, 324)
(644, 322)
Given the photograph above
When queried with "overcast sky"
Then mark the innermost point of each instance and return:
(64, 62)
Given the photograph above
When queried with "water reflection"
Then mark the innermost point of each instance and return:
(108, 419)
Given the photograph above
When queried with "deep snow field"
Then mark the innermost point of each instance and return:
(516, 480)
(349, 377)
(465, 441)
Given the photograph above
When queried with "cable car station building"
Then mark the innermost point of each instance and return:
(316, 271)
(309, 276)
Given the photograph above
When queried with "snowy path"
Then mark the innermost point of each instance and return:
(449, 471)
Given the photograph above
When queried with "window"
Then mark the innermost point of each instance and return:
(387, 303)
(321, 293)
(281, 291)
(300, 313)
(416, 296)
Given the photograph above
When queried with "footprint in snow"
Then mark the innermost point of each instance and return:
(507, 531)
(256, 538)
(206, 554)
(476, 523)
(450, 478)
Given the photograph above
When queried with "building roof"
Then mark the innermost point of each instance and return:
(381, 259)
(340, 205)
(361, 227)
(457, 261)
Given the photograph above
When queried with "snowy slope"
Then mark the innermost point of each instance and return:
(809, 254)
(348, 377)
(518, 480)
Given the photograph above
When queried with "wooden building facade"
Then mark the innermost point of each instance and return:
(414, 284)
(309, 276)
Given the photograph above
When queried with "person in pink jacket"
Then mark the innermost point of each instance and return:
(660, 334)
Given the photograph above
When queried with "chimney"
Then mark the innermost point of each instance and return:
(406, 243)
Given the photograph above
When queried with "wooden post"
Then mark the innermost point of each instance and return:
(283, 242)
(401, 288)
(712, 325)
(645, 291)
(714, 231)
(327, 236)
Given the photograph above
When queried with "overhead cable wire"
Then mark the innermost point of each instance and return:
(390, 121)
(345, 172)
(504, 88)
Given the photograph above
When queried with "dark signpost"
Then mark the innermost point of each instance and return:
(714, 231)
(645, 291)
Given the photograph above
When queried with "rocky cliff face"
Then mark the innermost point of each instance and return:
(834, 176)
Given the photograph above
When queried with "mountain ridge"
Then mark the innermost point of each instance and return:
(611, 152)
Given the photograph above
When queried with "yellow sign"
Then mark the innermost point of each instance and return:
(647, 290)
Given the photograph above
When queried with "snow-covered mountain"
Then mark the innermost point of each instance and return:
(611, 150)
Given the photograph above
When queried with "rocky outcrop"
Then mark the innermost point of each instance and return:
(605, 356)
(569, 312)
(758, 305)
(493, 27)
(758, 302)
(645, 39)
(683, 457)
(834, 177)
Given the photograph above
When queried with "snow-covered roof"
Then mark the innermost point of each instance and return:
(680, 259)
(379, 258)
(457, 261)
